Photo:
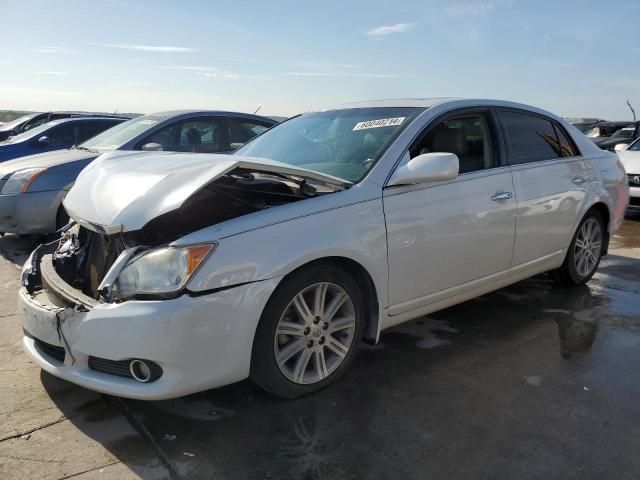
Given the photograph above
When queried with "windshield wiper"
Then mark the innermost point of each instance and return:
(80, 147)
(306, 189)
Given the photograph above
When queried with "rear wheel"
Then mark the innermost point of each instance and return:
(585, 252)
(308, 333)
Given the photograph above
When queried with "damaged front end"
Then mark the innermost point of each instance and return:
(85, 298)
(91, 263)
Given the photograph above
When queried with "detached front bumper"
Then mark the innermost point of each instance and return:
(26, 213)
(200, 342)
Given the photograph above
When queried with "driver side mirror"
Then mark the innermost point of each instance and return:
(427, 168)
(621, 147)
(44, 141)
(152, 147)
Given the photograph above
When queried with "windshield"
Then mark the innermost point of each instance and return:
(120, 134)
(14, 123)
(341, 143)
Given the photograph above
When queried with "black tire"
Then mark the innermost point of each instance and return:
(568, 274)
(265, 371)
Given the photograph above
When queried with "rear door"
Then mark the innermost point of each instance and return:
(447, 238)
(551, 182)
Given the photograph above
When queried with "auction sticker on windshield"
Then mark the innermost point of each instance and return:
(382, 122)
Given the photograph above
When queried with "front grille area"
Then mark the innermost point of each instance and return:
(635, 201)
(112, 367)
(50, 350)
(102, 251)
(632, 179)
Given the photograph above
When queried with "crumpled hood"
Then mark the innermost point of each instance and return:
(44, 160)
(123, 191)
(631, 161)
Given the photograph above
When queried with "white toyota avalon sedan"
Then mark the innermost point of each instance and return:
(183, 272)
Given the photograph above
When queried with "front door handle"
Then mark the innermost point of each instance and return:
(502, 196)
(578, 180)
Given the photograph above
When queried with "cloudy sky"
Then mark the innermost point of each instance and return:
(576, 58)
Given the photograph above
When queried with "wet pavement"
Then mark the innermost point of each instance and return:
(532, 381)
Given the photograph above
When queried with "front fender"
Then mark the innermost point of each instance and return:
(356, 232)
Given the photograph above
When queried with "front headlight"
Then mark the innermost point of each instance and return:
(21, 180)
(161, 271)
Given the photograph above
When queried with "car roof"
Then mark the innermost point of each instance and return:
(85, 114)
(177, 113)
(629, 123)
(459, 102)
(53, 123)
(396, 102)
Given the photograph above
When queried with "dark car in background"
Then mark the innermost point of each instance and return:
(33, 120)
(32, 188)
(608, 134)
(56, 135)
(584, 124)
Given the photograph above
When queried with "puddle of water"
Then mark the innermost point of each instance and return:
(427, 330)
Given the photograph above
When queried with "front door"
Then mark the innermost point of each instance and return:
(446, 237)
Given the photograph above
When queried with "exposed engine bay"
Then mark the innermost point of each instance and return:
(82, 257)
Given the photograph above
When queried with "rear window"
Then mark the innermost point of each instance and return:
(532, 138)
(567, 147)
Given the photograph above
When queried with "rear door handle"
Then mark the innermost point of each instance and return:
(502, 196)
(578, 180)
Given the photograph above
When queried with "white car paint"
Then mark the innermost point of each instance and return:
(138, 187)
(425, 247)
(630, 159)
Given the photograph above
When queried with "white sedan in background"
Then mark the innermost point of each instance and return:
(630, 157)
(185, 272)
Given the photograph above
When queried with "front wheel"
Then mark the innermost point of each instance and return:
(584, 253)
(308, 333)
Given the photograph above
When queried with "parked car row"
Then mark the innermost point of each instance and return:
(32, 188)
(180, 272)
(607, 134)
(55, 135)
(28, 122)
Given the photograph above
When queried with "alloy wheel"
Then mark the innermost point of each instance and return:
(588, 247)
(314, 333)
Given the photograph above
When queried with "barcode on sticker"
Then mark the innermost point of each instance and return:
(382, 122)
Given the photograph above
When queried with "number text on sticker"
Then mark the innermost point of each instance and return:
(382, 122)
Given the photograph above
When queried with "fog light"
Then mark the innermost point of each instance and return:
(140, 371)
